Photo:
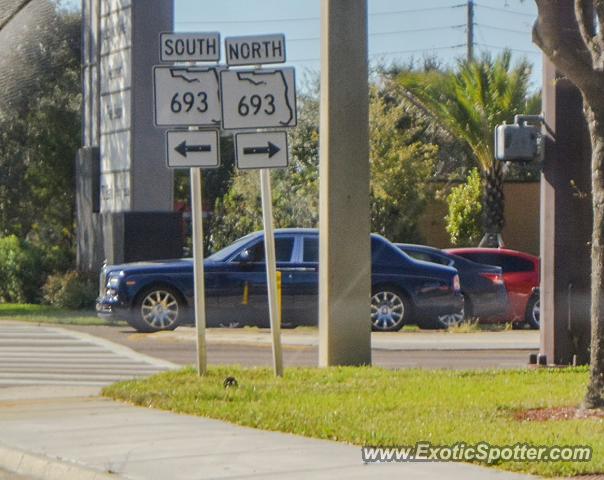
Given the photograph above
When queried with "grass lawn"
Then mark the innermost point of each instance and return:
(374, 406)
(48, 314)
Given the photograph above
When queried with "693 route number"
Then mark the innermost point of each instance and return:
(255, 104)
(189, 100)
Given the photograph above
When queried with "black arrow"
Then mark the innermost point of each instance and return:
(183, 148)
(271, 149)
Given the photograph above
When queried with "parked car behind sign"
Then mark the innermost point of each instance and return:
(481, 285)
(521, 277)
(155, 296)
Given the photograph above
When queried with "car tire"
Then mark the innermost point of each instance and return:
(533, 312)
(444, 322)
(156, 309)
(450, 320)
(390, 309)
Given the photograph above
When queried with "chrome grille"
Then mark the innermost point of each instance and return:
(102, 281)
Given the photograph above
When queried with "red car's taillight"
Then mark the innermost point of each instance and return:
(495, 278)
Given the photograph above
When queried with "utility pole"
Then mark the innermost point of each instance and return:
(344, 286)
(470, 31)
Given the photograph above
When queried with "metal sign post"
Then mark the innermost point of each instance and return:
(200, 303)
(251, 100)
(271, 269)
(189, 97)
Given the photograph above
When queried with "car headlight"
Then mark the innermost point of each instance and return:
(113, 283)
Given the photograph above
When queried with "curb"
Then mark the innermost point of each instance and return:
(40, 466)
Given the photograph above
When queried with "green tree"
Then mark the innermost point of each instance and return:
(470, 102)
(402, 165)
(39, 137)
(464, 207)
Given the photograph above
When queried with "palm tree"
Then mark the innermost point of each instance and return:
(469, 103)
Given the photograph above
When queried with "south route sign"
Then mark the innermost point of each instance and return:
(189, 47)
(263, 98)
(186, 96)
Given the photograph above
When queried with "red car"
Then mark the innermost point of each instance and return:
(521, 277)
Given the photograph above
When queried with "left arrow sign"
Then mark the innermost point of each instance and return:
(183, 148)
(193, 149)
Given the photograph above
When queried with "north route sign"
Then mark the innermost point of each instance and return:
(255, 50)
(263, 98)
(186, 96)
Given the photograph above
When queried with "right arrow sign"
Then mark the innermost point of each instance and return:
(261, 150)
(270, 149)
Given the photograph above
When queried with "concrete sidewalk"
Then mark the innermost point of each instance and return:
(94, 438)
(402, 341)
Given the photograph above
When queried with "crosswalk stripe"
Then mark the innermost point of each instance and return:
(41, 355)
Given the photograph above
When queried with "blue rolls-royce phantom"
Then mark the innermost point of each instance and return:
(158, 295)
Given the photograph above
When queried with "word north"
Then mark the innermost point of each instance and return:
(255, 50)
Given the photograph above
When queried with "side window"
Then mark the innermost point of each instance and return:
(507, 263)
(311, 250)
(516, 264)
(420, 256)
(283, 250)
(441, 260)
(484, 258)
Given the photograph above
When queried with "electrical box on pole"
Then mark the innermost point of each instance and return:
(519, 142)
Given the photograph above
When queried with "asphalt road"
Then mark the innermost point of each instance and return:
(183, 352)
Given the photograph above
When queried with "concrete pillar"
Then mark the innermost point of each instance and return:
(566, 221)
(345, 262)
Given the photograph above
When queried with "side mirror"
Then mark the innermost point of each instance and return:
(246, 256)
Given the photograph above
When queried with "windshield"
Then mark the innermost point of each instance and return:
(226, 252)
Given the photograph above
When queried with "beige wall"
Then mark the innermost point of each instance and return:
(521, 231)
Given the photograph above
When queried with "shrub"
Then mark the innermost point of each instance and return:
(21, 272)
(73, 290)
(465, 211)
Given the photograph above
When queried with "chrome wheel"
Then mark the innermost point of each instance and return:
(452, 319)
(536, 313)
(159, 309)
(387, 311)
(533, 312)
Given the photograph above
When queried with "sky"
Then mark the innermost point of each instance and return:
(399, 30)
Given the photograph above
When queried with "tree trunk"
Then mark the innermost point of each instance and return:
(595, 121)
(493, 206)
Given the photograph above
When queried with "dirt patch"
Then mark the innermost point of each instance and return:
(557, 413)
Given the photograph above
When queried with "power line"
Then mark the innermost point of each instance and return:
(305, 19)
(505, 10)
(390, 52)
(393, 32)
(503, 29)
(518, 50)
